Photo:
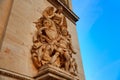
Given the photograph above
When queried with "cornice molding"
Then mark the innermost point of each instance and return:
(14, 75)
(50, 71)
(66, 11)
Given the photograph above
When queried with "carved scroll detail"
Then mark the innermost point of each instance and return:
(52, 42)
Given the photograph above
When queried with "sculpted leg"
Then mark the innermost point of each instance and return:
(67, 63)
(54, 57)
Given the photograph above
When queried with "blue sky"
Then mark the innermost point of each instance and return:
(99, 37)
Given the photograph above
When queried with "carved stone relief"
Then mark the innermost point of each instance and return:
(52, 42)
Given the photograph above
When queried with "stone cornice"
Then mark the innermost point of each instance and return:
(49, 71)
(14, 75)
(66, 11)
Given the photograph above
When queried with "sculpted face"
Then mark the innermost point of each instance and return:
(64, 32)
(51, 10)
(60, 9)
(47, 23)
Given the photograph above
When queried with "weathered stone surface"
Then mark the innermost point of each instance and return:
(15, 52)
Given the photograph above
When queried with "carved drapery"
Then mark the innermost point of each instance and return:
(52, 42)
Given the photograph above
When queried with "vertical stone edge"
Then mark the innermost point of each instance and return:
(7, 8)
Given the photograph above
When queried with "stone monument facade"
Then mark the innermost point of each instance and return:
(38, 41)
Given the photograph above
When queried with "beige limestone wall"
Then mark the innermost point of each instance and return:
(15, 51)
(72, 31)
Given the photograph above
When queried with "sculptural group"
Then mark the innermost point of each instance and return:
(52, 42)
